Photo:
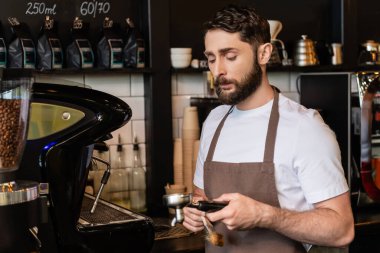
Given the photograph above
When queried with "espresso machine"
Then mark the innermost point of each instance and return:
(366, 138)
(349, 103)
(44, 166)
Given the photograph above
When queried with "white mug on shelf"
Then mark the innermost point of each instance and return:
(337, 54)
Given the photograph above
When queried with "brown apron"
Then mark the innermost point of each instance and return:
(255, 180)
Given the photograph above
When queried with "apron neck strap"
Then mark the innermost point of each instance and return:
(214, 141)
(272, 130)
(271, 133)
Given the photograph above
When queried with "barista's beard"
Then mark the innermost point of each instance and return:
(243, 89)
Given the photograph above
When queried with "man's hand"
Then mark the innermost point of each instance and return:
(241, 213)
(330, 223)
(193, 221)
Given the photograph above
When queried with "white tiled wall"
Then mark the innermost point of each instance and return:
(186, 85)
(129, 88)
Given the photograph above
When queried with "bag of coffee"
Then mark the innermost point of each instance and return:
(79, 53)
(49, 47)
(109, 49)
(3, 49)
(134, 49)
(21, 52)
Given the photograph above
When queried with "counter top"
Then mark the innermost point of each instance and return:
(367, 219)
(193, 243)
(367, 227)
(167, 242)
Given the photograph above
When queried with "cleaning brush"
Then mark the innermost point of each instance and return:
(211, 235)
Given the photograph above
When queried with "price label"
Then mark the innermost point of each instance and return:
(40, 8)
(93, 8)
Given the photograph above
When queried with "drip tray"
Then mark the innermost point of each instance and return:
(106, 214)
(112, 228)
(163, 230)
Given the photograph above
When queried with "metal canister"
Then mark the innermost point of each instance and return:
(305, 53)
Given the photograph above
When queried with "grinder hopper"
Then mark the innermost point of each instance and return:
(18, 198)
(14, 110)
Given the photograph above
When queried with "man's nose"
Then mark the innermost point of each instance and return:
(218, 68)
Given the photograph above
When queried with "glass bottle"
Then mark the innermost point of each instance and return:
(120, 179)
(137, 185)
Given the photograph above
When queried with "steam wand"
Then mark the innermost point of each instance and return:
(104, 181)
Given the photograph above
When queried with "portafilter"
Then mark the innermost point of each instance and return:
(180, 200)
(177, 201)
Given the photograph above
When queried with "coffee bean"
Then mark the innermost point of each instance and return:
(11, 132)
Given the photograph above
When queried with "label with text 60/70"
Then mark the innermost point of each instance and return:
(93, 8)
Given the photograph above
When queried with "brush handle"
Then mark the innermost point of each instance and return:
(207, 224)
(208, 206)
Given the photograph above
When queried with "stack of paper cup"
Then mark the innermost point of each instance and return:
(190, 133)
(178, 162)
(195, 155)
(175, 188)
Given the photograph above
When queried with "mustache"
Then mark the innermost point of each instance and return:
(222, 80)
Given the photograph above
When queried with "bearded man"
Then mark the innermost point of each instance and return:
(275, 162)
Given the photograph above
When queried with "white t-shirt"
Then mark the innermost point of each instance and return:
(307, 157)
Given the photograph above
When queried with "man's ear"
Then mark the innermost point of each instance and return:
(264, 53)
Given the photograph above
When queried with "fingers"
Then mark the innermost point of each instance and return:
(193, 220)
(190, 226)
(196, 199)
(226, 211)
(227, 197)
(218, 215)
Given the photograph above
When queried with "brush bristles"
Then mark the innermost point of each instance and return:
(211, 235)
(215, 239)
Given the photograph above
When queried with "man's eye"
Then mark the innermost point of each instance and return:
(210, 61)
(231, 58)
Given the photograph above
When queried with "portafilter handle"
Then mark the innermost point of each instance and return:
(202, 205)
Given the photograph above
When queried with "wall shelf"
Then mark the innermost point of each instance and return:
(306, 69)
(97, 70)
(188, 70)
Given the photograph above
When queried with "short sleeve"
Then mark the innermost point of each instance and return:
(317, 159)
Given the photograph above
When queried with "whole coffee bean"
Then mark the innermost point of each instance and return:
(11, 133)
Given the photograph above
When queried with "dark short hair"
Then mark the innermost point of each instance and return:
(244, 20)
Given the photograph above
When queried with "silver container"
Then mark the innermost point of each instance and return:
(18, 192)
(305, 53)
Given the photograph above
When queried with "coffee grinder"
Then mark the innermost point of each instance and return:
(65, 123)
(19, 199)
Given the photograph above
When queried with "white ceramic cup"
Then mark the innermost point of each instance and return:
(337, 54)
(181, 50)
(195, 63)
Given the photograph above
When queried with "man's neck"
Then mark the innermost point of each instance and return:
(260, 97)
